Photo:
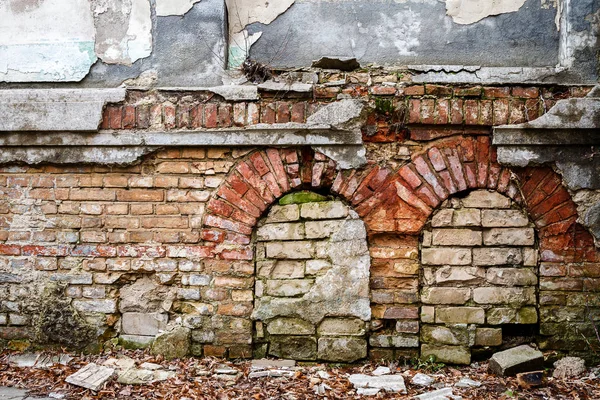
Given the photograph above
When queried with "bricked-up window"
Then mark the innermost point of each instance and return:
(479, 259)
(312, 283)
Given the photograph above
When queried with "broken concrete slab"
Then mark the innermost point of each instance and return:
(92, 376)
(272, 373)
(55, 109)
(38, 360)
(518, 359)
(422, 380)
(389, 383)
(140, 376)
(283, 87)
(467, 383)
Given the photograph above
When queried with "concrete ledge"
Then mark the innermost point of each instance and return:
(55, 109)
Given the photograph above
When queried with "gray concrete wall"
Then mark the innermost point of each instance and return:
(102, 43)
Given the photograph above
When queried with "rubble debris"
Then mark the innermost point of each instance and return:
(440, 394)
(510, 362)
(38, 360)
(569, 367)
(381, 371)
(92, 376)
(422, 380)
(467, 383)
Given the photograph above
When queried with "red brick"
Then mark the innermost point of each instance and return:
(115, 117)
(239, 114)
(237, 184)
(438, 90)
(471, 112)
(425, 171)
(427, 111)
(277, 164)
(456, 168)
(283, 112)
(196, 113)
(267, 114)
(474, 91)
(235, 199)
(414, 116)
(326, 92)
(298, 112)
(517, 112)
(129, 117)
(523, 92)
(255, 181)
(169, 116)
(225, 113)
(259, 163)
(210, 115)
(486, 116)
(482, 161)
(496, 92)
(240, 254)
(500, 112)
(10, 249)
(442, 108)
(417, 90)
(140, 195)
(436, 158)
(456, 111)
(532, 109)
(253, 114)
(381, 90)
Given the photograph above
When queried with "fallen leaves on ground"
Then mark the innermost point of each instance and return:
(195, 380)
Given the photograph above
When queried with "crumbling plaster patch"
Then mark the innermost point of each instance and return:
(470, 11)
(174, 7)
(45, 43)
(243, 13)
(123, 30)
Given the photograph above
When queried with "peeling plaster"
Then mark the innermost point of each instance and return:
(466, 12)
(46, 43)
(123, 30)
(174, 7)
(400, 30)
(243, 13)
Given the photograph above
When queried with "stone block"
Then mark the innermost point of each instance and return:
(284, 269)
(288, 287)
(503, 218)
(530, 257)
(446, 335)
(281, 231)
(341, 327)
(446, 256)
(342, 349)
(135, 341)
(504, 315)
(322, 229)
(459, 315)
(488, 337)
(294, 347)
(442, 218)
(350, 229)
(407, 267)
(509, 237)
(427, 314)
(146, 324)
(283, 213)
(106, 306)
(324, 210)
(486, 199)
(339, 252)
(446, 354)
(314, 267)
(445, 295)
(497, 256)
(512, 276)
(290, 326)
(174, 343)
(516, 360)
(456, 276)
(291, 250)
(499, 295)
(394, 341)
(406, 326)
(456, 237)
(466, 217)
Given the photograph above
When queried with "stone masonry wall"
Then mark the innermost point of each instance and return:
(137, 249)
(479, 272)
(312, 287)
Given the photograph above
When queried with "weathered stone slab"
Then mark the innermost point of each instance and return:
(290, 326)
(518, 359)
(456, 237)
(146, 324)
(342, 349)
(91, 376)
(486, 199)
(294, 347)
(446, 256)
(389, 383)
(447, 354)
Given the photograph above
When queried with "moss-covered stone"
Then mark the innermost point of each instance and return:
(302, 197)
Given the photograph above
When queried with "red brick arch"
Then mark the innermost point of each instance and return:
(394, 202)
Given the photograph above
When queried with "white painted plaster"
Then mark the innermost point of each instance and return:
(124, 30)
(41, 42)
(174, 7)
(470, 11)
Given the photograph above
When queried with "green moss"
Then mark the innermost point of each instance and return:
(304, 196)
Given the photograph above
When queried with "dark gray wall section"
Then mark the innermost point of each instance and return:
(389, 32)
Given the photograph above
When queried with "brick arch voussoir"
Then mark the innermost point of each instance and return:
(263, 176)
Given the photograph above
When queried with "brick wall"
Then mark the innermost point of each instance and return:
(179, 225)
